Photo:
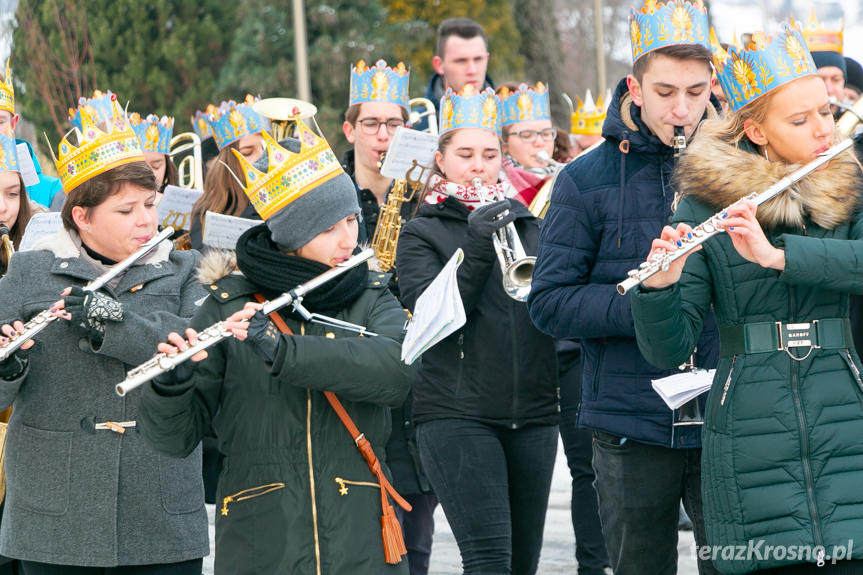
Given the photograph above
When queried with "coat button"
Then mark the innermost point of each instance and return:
(84, 345)
(224, 295)
(330, 335)
(214, 287)
(64, 265)
(157, 265)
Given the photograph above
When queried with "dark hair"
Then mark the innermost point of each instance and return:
(25, 212)
(353, 113)
(464, 28)
(695, 52)
(99, 188)
(172, 176)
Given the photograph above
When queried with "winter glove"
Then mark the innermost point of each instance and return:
(264, 336)
(91, 310)
(485, 220)
(13, 366)
(171, 382)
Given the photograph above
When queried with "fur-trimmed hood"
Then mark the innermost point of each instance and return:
(718, 172)
(216, 264)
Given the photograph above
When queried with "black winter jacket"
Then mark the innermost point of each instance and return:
(498, 368)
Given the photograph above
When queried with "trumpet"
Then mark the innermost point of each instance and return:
(515, 265)
(191, 166)
(41, 320)
(162, 362)
(850, 118)
(709, 228)
(415, 116)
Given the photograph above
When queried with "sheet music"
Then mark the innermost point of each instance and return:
(406, 146)
(175, 207)
(40, 225)
(677, 389)
(26, 165)
(222, 232)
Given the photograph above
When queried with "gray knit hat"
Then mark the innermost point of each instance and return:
(304, 193)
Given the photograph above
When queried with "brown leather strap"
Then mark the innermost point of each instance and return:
(359, 438)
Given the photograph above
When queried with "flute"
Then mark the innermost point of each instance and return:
(41, 320)
(162, 362)
(709, 228)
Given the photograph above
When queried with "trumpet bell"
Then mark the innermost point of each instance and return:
(283, 113)
(517, 278)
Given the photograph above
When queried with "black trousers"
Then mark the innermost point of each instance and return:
(193, 567)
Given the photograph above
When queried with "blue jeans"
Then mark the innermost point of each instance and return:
(590, 550)
(493, 484)
(640, 487)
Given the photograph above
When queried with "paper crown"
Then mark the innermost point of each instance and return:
(102, 107)
(290, 175)
(659, 24)
(379, 84)
(768, 62)
(468, 108)
(231, 121)
(588, 116)
(153, 132)
(199, 122)
(819, 39)
(8, 153)
(525, 104)
(97, 151)
(7, 92)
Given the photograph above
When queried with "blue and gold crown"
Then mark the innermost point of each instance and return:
(818, 38)
(153, 132)
(379, 84)
(200, 125)
(7, 92)
(468, 108)
(588, 117)
(232, 121)
(290, 175)
(8, 153)
(97, 151)
(659, 24)
(102, 106)
(525, 104)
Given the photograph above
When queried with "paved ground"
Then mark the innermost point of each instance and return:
(558, 547)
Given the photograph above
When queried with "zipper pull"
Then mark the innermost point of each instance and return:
(820, 558)
(225, 502)
(343, 490)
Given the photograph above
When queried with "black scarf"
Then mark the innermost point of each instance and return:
(263, 264)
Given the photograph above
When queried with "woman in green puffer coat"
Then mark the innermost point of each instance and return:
(295, 494)
(782, 461)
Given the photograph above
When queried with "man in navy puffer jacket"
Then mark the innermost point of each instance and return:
(606, 208)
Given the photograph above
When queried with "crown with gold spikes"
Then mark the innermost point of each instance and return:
(153, 132)
(766, 63)
(231, 121)
(101, 107)
(468, 108)
(290, 175)
(7, 92)
(379, 84)
(97, 150)
(659, 24)
(588, 117)
(525, 104)
(8, 153)
(818, 38)
(200, 125)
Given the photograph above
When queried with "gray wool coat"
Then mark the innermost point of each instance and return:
(77, 495)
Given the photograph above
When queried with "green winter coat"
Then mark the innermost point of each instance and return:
(782, 460)
(295, 495)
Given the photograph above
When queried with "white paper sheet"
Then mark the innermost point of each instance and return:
(175, 207)
(222, 232)
(677, 389)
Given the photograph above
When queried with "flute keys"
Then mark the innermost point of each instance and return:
(165, 362)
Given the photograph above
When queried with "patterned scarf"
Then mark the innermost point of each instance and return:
(471, 198)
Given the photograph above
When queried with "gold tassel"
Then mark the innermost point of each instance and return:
(394, 544)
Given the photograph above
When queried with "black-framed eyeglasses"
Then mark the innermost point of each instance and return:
(371, 126)
(548, 134)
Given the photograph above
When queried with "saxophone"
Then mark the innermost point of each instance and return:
(390, 222)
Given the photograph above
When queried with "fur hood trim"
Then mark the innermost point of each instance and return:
(216, 264)
(65, 244)
(718, 173)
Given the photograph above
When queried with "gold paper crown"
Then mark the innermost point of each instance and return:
(290, 175)
(818, 38)
(97, 151)
(7, 93)
(588, 117)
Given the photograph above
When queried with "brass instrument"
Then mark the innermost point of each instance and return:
(516, 266)
(162, 362)
(390, 222)
(191, 166)
(8, 245)
(415, 116)
(852, 115)
(539, 205)
(283, 114)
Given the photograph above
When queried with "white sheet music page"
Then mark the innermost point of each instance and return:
(677, 389)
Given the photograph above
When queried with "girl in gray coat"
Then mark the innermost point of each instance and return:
(86, 494)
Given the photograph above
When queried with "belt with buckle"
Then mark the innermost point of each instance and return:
(771, 336)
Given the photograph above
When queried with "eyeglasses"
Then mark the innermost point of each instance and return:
(547, 134)
(372, 125)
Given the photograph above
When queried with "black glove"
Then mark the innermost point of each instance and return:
(485, 220)
(90, 311)
(13, 366)
(264, 336)
(168, 381)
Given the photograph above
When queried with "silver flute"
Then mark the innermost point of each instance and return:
(41, 320)
(162, 362)
(709, 228)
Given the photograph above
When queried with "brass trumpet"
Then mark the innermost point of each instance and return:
(191, 166)
(415, 116)
(283, 114)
